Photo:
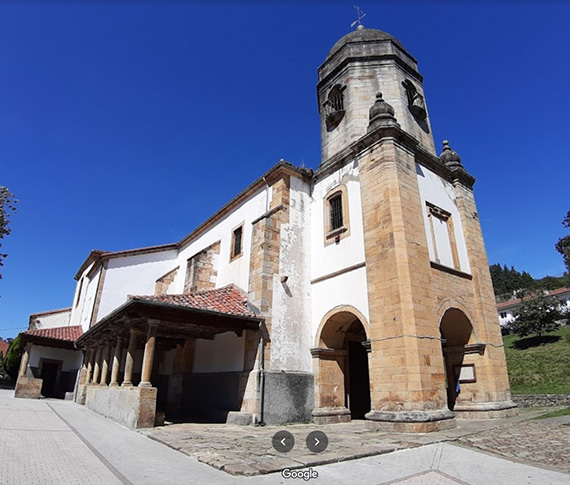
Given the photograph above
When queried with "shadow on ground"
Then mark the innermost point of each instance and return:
(527, 343)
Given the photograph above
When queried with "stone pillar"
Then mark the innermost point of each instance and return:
(97, 366)
(25, 360)
(105, 366)
(130, 358)
(90, 357)
(148, 358)
(116, 362)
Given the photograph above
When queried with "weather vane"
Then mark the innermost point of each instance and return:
(360, 15)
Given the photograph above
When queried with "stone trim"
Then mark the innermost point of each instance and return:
(335, 235)
(348, 269)
(98, 294)
(163, 283)
(449, 270)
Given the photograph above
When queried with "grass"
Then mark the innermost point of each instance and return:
(555, 414)
(539, 365)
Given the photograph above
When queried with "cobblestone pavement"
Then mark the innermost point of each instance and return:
(248, 450)
(543, 442)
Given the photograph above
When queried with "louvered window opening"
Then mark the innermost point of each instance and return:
(336, 212)
(334, 104)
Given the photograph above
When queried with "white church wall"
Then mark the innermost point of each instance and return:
(348, 289)
(71, 358)
(236, 271)
(291, 337)
(132, 275)
(51, 319)
(223, 354)
(89, 292)
(79, 297)
(439, 192)
(326, 259)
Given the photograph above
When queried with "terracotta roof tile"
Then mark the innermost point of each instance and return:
(3, 347)
(69, 334)
(516, 301)
(228, 299)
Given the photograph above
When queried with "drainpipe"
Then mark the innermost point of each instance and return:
(261, 376)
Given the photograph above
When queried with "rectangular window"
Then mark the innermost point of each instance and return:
(443, 237)
(236, 242)
(503, 314)
(336, 212)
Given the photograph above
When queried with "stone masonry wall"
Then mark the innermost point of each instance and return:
(539, 400)
(201, 271)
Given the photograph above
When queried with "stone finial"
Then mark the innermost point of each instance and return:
(450, 157)
(381, 114)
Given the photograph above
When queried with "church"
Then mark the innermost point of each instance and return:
(359, 290)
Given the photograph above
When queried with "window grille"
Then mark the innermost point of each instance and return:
(237, 242)
(336, 212)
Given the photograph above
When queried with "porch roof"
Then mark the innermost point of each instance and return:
(61, 337)
(195, 315)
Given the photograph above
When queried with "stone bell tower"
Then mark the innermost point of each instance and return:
(435, 347)
(359, 65)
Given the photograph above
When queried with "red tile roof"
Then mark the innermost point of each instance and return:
(69, 334)
(228, 300)
(3, 347)
(516, 301)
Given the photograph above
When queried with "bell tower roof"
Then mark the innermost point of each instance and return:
(363, 35)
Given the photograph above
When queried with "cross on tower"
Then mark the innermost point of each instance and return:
(360, 15)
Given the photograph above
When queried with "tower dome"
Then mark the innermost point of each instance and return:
(363, 36)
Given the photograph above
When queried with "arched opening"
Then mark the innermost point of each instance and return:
(456, 332)
(344, 379)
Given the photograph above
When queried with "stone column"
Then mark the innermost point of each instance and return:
(148, 355)
(91, 357)
(25, 360)
(116, 362)
(97, 366)
(105, 368)
(130, 358)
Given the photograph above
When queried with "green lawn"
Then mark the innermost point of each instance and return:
(539, 366)
(555, 414)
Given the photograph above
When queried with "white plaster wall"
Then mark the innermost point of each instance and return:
(223, 354)
(508, 319)
(88, 299)
(53, 320)
(291, 336)
(71, 358)
(133, 275)
(441, 193)
(79, 298)
(350, 250)
(237, 271)
(346, 289)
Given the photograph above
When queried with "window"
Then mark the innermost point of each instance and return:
(336, 211)
(237, 240)
(336, 215)
(442, 237)
(79, 292)
(503, 314)
(334, 107)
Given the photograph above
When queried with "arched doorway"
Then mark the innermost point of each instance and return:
(456, 332)
(342, 368)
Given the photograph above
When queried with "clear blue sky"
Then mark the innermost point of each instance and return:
(126, 124)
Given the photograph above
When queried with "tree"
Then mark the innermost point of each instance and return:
(12, 358)
(537, 315)
(7, 208)
(563, 244)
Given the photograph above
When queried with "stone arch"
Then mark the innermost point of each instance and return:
(457, 335)
(453, 304)
(340, 359)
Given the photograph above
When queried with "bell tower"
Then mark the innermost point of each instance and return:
(361, 64)
(434, 343)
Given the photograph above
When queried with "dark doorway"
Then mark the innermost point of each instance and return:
(359, 380)
(49, 376)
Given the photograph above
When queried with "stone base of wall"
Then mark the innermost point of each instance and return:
(331, 415)
(240, 418)
(134, 407)
(485, 410)
(540, 400)
(410, 421)
(28, 388)
(288, 397)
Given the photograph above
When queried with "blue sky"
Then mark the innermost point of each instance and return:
(126, 124)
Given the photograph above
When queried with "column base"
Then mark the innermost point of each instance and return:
(411, 421)
(145, 384)
(114, 384)
(331, 415)
(127, 384)
(486, 410)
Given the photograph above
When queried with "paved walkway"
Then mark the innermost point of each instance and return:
(57, 442)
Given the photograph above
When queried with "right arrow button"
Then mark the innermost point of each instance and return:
(317, 441)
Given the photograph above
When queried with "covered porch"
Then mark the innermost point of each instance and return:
(139, 362)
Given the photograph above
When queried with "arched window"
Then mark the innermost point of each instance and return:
(334, 107)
